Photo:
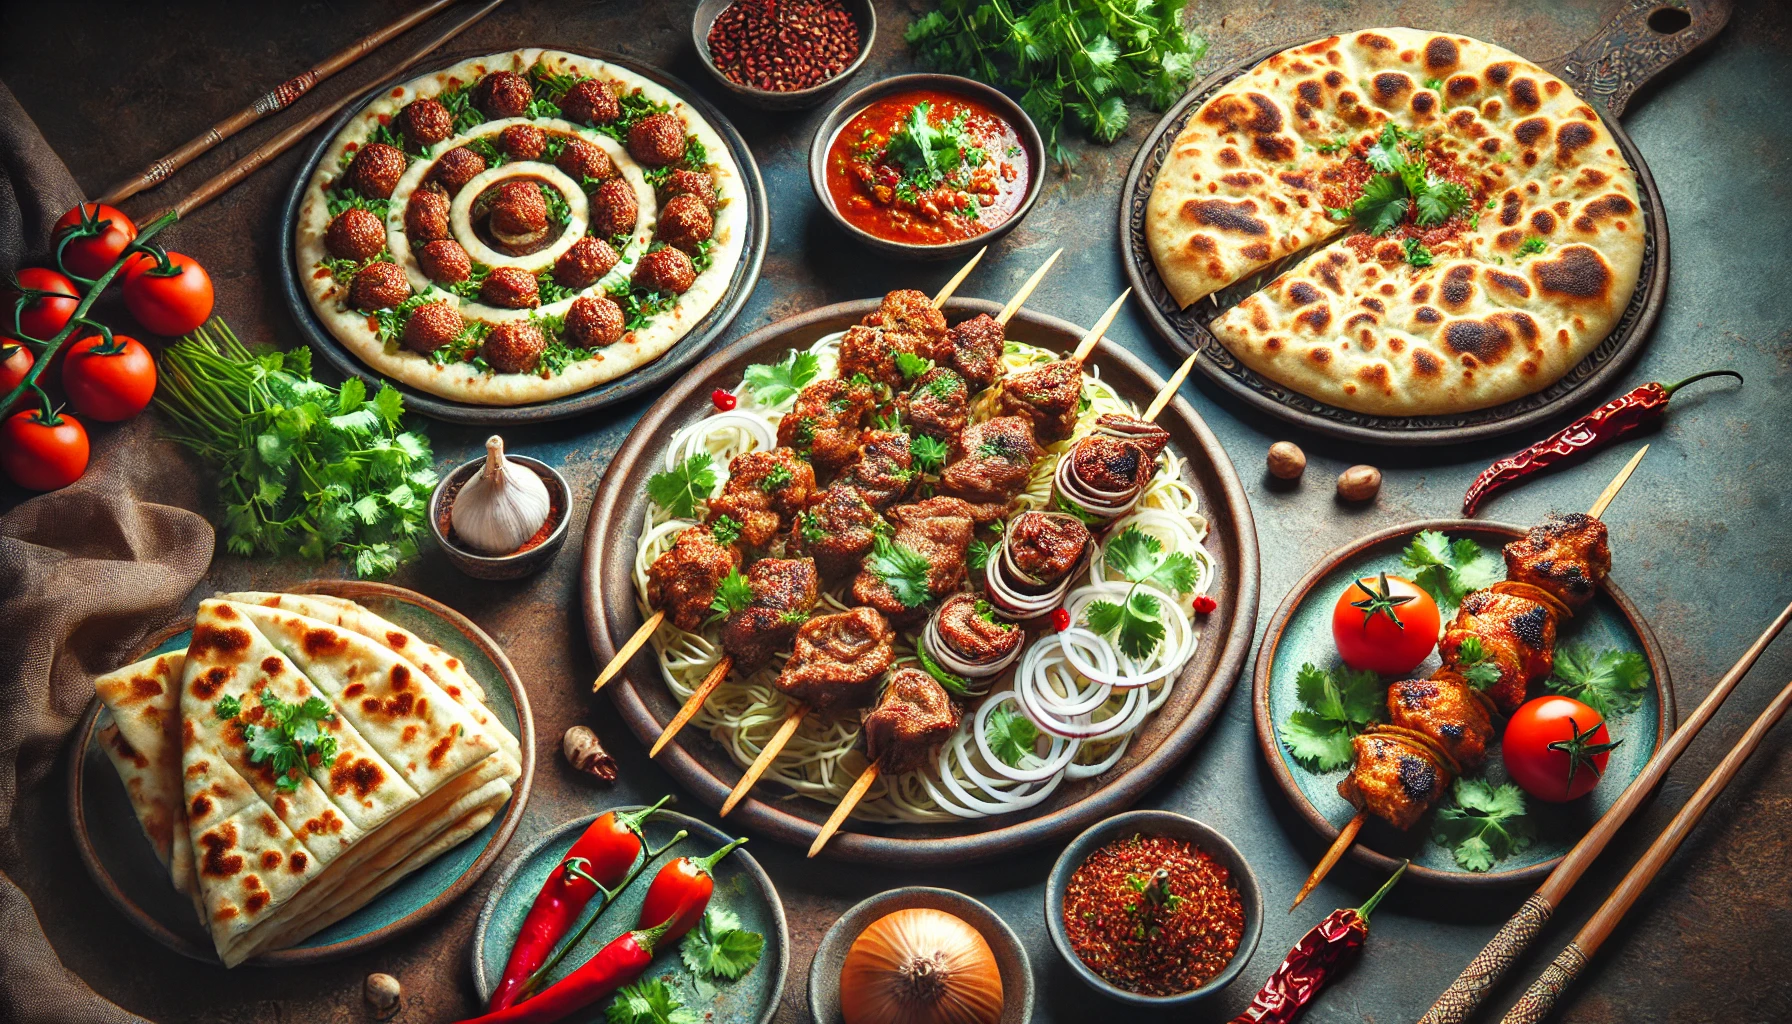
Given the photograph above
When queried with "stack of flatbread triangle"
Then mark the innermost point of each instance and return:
(421, 764)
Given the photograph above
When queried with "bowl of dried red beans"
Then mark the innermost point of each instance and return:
(1154, 908)
(783, 54)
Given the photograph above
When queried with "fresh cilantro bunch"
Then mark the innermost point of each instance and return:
(287, 737)
(680, 489)
(1483, 824)
(719, 947)
(649, 1002)
(1079, 58)
(303, 468)
(774, 384)
(1338, 705)
(1449, 569)
(1610, 682)
(1402, 184)
(1140, 559)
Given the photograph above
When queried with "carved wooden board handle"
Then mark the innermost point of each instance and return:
(1641, 40)
(1541, 998)
(1465, 994)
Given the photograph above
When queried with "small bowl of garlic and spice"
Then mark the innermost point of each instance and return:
(1154, 908)
(501, 516)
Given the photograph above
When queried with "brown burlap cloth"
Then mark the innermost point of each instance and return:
(86, 573)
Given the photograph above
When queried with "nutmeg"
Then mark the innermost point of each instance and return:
(586, 754)
(1359, 483)
(1286, 460)
(383, 995)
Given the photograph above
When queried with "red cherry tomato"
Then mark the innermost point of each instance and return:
(1060, 619)
(723, 400)
(43, 452)
(46, 314)
(15, 363)
(93, 254)
(1205, 604)
(109, 382)
(170, 304)
(1556, 748)
(1385, 624)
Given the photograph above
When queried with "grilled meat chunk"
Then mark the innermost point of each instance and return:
(974, 349)
(914, 325)
(871, 351)
(1445, 709)
(883, 470)
(765, 491)
(939, 530)
(1150, 437)
(837, 660)
(784, 591)
(968, 627)
(1567, 557)
(1048, 395)
(682, 581)
(1516, 633)
(837, 529)
(996, 461)
(912, 718)
(938, 405)
(1394, 779)
(1046, 546)
(1110, 464)
(825, 423)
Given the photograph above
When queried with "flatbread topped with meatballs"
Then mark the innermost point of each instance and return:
(519, 227)
(1484, 228)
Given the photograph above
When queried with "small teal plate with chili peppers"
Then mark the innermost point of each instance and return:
(741, 887)
(1300, 634)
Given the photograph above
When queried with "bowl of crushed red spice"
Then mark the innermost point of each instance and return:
(528, 558)
(783, 54)
(1154, 908)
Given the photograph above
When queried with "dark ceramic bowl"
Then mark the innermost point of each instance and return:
(997, 101)
(1174, 826)
(830, 956)
(502, 567)
(793, 99)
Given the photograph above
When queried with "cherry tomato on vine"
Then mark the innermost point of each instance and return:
(171, 302)
(1555, 748)
(46, 314)
(1385, 624)
(109, 381)
(93, 254)
(43, 450)
(15, 363)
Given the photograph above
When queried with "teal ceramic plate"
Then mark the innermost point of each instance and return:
(121, 861)
(1300, 632)
(742, 887)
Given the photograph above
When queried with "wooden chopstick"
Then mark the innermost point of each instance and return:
(279, 98)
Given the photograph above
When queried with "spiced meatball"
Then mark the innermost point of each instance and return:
(514, 346)
(518, 208)
(523, 142)
(504, 94)
(588, 259)
(581, 160)
(665, 270)
(376, 170)
(689, 183)
(590, 102)
(594, 321)
(444, 261)
(355, 234)
(614, 208)
(425, 121)
(379, 286)
(431, 326)
(456, 168)
(685, 222)
(426, 216)
(509, 288)
(657, 140)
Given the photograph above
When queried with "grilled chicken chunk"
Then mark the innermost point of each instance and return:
(837, 530)
(938, 404)
(838, 660)
(912, 718)
(912, 323)
(1567, 557)
(825, 422)
(884, 468)
(968, 627)
(974, 349)
(682, 581)
(1517, 634)
(765, 491)
(1046, 546)
(1049, 396)
(997, 460)
(1444, 709)
(784, 591)
(1394, 779)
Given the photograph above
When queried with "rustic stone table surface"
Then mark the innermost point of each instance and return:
(1702, 538)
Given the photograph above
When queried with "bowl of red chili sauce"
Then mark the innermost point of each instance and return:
(1154, 908)
(927, 166)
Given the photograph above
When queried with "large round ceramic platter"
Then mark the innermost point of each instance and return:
(125, 867)
(1300, 634)
(742, 888)
(514, 235)
(1396, 386)
(931, 816)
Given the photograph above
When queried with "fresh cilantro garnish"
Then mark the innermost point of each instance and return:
(794, 617)
(775, 478)
(888, 420)
(1448, 570)
(291, 739)
(1134, 621)
(1382, 206)
(987, 612)
(1532, 245)
(1010, 735)
(1140, 558)
(720, 947)
(1479, 669)
(911, 365)
(476, 275)
(979, 554)
(772, 385)
(1417, 254)
(810, 525)
(347, 198)
(726, 530)
(732, 595)
(1402, 184)
(679, 490)
(928, 453)
(902, 569)
(1434, 84)
(1610, 682)
(1339, 141)
(951, 682)
(1438, 200)
(649, 1002)
(1483, 824)
(558, 211)
(227, 707)
(1338, 705)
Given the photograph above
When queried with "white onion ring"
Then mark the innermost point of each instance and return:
(1050, 763)
(1172, 652)
(1089, 771)
(1008, 599)
(952, 661)
(1097, 502)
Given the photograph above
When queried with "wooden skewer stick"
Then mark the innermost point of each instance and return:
(844, 808)
(1537, 1003)
(1087, 345)
(693, 703)
(939, 301)
(627, 650)
(1026, 290)
(279, 98)
(1348, 834)
(1171, 386)
(766, 756)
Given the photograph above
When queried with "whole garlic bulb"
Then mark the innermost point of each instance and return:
(502, 506)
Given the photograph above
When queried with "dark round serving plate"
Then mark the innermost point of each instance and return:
(1300, 631)
(1606, 70)
(126, 869)
(639, 381)
(704, 767)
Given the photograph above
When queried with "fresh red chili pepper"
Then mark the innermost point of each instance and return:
(681, 891)
(722, 399)
(617, 964)
(1316, 958)
(603, 858)
(1205, 604)
(1600, 427)
(1060, 619)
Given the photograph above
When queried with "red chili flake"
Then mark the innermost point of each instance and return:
(1205, 604)
(1154, 915)
(723, 400)
(1060, 620)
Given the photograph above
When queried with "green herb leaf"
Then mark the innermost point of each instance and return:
(773, 385)
(725, 529)
(1382, 206)
(1479, 669)
(902, 569)
(1611, 682)
(775, 478)
(719, 948)
(1448, 570)
(1483, 824)
(1531, 245)
(1134, 622)
(1140, 558)
(928, 453)
(1438, 201)
(649, 1002)
(1338, 705)
(227, 707)
(911, 365)
(681, 489)
(951, 682)
(1010, 735)
(979, 554)
(1417, 254)
(732, 595)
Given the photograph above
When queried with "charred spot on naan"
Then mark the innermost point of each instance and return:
(1233, 218)
(1611, 206)
(1511, 284)
(218, 861)
(211, 682)
(324, 643)
(211, 641)
(1442, 55)
(1254, 115)
(1488, 341)
(1389, 86)
(359, 774)
(124, 748)
(1577, 274)
(1525, 95)
(1573, 137)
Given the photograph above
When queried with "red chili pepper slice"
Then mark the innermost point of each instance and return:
(620, 962)
(1321, 953)
(1060, 619)
(681, 891)
(723, 400)
(1205, 604)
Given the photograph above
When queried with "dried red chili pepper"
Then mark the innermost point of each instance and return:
(1603, 425)
(1331, 946)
